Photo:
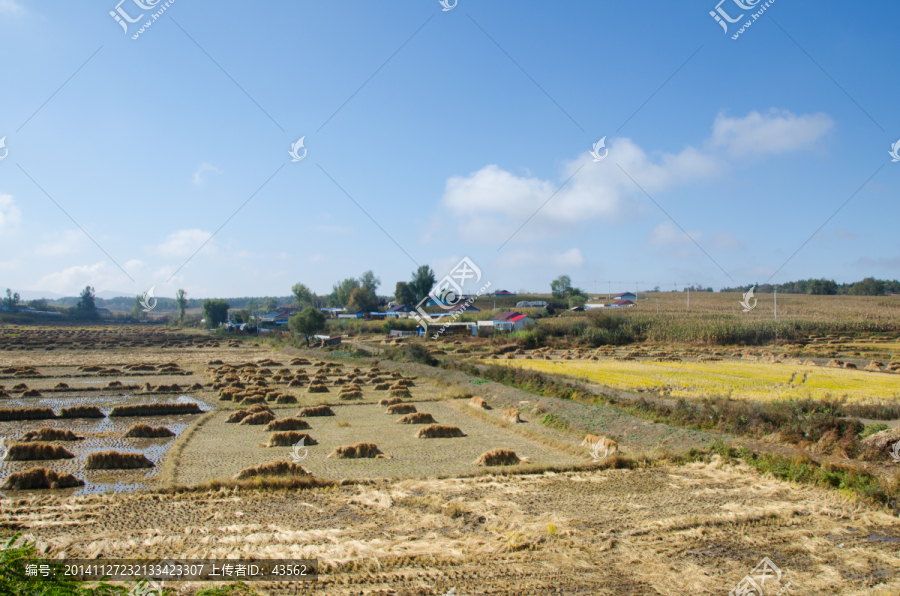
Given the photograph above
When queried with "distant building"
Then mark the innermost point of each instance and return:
(511, 321)
(400, 308)
(503, 293)
(531, 304)
(104, 312)
(625, 296)
(465, 307)
(621, 303)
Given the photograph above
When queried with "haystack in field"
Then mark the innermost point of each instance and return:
(254, 398)
(155, 409)
(284, 398)
(288, 424)
(390, 401)
(360, 450)
(404, 383)
(274, 468)
(289, 438)
(808, 362)
(238, 416)
(34, 450)
(31, 393)
(835, 363)
(26, 414)
(417, 418)
(317, 388)
(438, 431)
(322, 410)
(39, 478)
(600, 442)
(849, 365)
(145, 431)
(382, 386)
(46, 433)
(499, 457)
(875, 366)
(115, 460)
(297, 382)
(82, 412)
(512, 415)
(478, 403)
(61, 386)
(401, 409)
(259, 418)
(400, 391)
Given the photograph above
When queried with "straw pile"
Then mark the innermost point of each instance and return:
(512, 415)
(275, 468)
(46, 433)
(81, 412)
(26, 413)
(288, 424)
(401, 409)
(317, 388)
(155, 409)
(259, 418)
(145, 431)
(390, 401)
(288, 438)
(477, 402)
(322, 410)
(498, 457)
(34, 450)
(417, 418)
(438, 431)
(115, 460)
(39, 478)
(357, 451)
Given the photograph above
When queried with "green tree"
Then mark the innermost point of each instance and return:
(403, 294)
(137, 309)
(577, 300)
(302, 295)
(368, 281)
(269, 304)
(307, 323)
(11, 299)
(215, 311)
(39, 304)
(241, 316)
(362, 300)
(561, 287)
(340, 292)
(181, 299)
(87, 302)
(422, 281)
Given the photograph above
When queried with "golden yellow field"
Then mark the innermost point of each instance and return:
(741, 379)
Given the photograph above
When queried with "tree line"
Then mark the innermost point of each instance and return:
(826, 287)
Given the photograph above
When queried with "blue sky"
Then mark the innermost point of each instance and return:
(450, 129)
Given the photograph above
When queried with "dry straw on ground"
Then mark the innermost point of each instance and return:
(390, 401)
(512, 415)
(401, 409)
(155, 409)
(26, 414)
(498, 457)
(417, 418)
(360, 450)
(145, 431)
(317, 388)
(382, 386)
(289, 438)
(259, 418)
(321, 410)
(275, 468)
(82, 412)
(288, 424)
(438, 431)
(46, 433)
(115, 460)
(40, 478)
(35, 450)
(477, 402)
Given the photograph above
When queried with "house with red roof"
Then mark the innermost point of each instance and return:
(511, 321)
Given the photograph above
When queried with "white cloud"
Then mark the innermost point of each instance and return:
(198, 177)
(517, 259)
(66, 242)
(72, 280)
(775, 132)
(10, 7)
(183, 243)
(727, 240)
(10, 215)
(492, 203)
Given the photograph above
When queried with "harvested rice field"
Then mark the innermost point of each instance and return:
(740, 379)
(373, 470)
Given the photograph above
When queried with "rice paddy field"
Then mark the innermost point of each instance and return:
(738, 379)
(161, 443)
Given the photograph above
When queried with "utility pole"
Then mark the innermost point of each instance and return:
(776, 304)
